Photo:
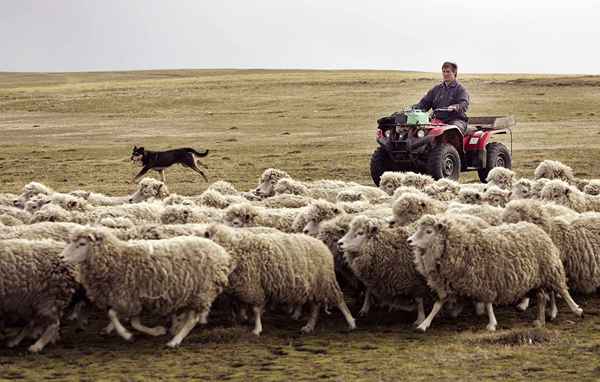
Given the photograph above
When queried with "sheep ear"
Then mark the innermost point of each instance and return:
(567, 191)
(247, 217)
(509, 194)
(422, 204)
(336, 210)
(477, 196)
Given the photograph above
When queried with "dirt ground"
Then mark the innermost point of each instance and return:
(76, 131)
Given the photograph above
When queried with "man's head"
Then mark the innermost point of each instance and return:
(449, 71)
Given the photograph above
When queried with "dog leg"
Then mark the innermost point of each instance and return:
(162, 176)
(195, 168)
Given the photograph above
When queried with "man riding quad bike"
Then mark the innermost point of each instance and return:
(444, 144)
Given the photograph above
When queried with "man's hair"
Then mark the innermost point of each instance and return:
(450, 65)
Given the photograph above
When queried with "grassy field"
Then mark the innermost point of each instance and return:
(76, 131)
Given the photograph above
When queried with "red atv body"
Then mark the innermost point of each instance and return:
(439, 149)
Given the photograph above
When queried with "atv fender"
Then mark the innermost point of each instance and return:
(451, 135)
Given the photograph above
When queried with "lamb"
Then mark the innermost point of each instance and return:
(577, 238)
(410, 207)
(382, 260)
(291, 269)
(163, 278)
(493, 265)
(149, 188)
(247, 215)
(184, 214)
(496, 196)
(37, 286)
(562, 193)
(501, 177)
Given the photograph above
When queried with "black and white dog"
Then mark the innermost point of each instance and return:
(160, 160)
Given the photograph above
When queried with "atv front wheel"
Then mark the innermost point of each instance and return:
(381, 162)
(497, 156)
(444, 162)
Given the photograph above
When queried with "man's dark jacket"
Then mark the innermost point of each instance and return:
(444, 95)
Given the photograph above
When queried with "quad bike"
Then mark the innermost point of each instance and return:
(414, 141)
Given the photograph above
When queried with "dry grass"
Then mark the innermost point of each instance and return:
(76, 131)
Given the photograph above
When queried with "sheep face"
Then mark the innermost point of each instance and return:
(78, 249)
(361, 230)
(149, 188)
(34, 204)
(501, 177)
(268, 179)
(497, 197)
(240, 215)
(85, 195)
(390, 181)
(556, 191)
(311, 228)
(430, 231)
(469, 197)
(522, 189)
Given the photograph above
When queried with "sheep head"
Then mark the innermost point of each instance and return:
(268, 179)
(361, 230)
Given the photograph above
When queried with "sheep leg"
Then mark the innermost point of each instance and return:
(155, 331)
(192, 319)
(569, 300)
(420, 311)
(114, 319)
(479, 308)
(257, 322)
(366, 304)
(297, 312)
(541, 306)
(20, 337)
(50, 334)
(434, 311)
(107, 329)
(312, 320)
(491, 326)
(524, 304)
(553, 308)
(347, 315)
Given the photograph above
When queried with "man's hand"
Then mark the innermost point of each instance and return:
(453, 107)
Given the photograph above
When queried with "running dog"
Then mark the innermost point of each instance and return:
(160, 160)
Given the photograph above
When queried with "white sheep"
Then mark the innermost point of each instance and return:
(562, 193)
(493, 265)
(381, 258)
(37, 285)
(159, 277)
(185, 214)
(247, 215)
(290, 269)
(148, 189)
(501, 177)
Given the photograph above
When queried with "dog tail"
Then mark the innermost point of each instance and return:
(205, 153)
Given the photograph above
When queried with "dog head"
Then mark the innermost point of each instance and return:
(137, 155)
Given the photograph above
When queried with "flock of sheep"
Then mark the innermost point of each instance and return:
(411, 244)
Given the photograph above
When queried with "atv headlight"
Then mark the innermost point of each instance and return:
(387, 133)
(420, 133)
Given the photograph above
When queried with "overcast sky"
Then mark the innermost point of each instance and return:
(524, 36)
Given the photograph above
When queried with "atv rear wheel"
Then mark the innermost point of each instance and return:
(444, 162)
(381, 162)
(497, 156)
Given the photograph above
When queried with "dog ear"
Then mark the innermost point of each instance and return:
(134, 148)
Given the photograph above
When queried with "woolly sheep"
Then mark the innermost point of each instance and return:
(470, 196)
(139, 213)
(215, 199)
(404, 190)
(577, 238)
(223, 187)
(9, 200)
(290, 269)
(174, 199)
(418, 181)
(493, 265)
(562, 193)
(54, 213)
(149, 188)
(551, 169)
(390, 181)
(496, 196)
(17, 213)
(491, 215)
(593, 187)
(184, 214)
(523, 189)
(409, 207)
(381, 258)
(285, 201)
(162, 277)
(30, 190)
(39, 231)
(8, 220)
(294, 187)
(37, 286)
(247, 215)
(443, 189)
(501, 177)
(98, 199)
